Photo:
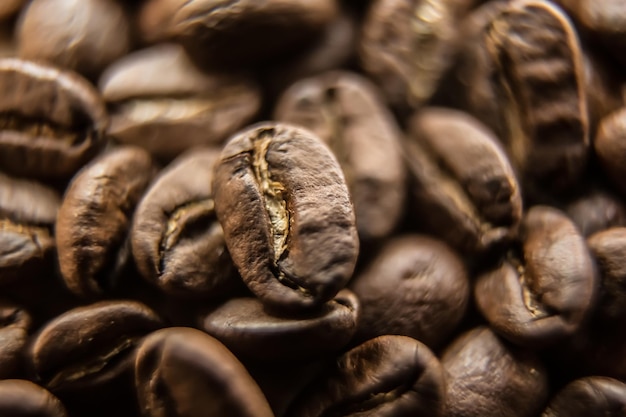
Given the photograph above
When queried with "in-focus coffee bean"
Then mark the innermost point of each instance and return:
(15, 326)
(593, 396)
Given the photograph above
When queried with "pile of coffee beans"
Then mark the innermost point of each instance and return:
(312, 208)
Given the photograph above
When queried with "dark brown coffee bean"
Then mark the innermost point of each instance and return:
(28, 211)
(95, 216)
(182, 372)
(407, 46)
(540, 88)
(84, 36)
(485, 377)
(51, 121)
(15, 324)
(473, 207)
(386, 376)
(610, 146)
(346, 112)
(20, 398)
(546, 292)
(596, 210)
(160, 101)
(288, 220)
(243, 32)
(90, 346)
(176, 240)
(416, 287)
(246, 328)
(592, 396)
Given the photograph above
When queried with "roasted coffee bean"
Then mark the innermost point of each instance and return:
(539, 82)
(20, 398)
(407, 46)
(10, 7)
(176, 240)
(46, 27)
(591, 396)
(94, 219)
(51, 121)
(246, 328)
(346, 112)
(243, 32)
(416, 287)
(160, 101)
(545, 292)
(386, 376)
(596, 210)
(90, 346)
(610, 147)
(28, 211)
(486, 377)
(182, 372)
(15, 324)
(288, 220)
(473, 207)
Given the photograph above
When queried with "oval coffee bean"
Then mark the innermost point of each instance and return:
(90, 346)
(182, 372)
(473, 207)
(247, 329)
(610, 147)
(15, 324)
(95, 216)
(593, 396)
(596, 210)
(51, 121)
(416, 286)
(548, 291)
(485, 377)
(288, 220)
(345, 111)
(536, 50)
(609, 250)
(28, 211)
(176, 240)
(383, 377)
(161, 102)
(20, 398)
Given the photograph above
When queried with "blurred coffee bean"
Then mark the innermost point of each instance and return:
(544, 293)
(94, 219)
(486, 377)
(347, 113)
(250, 331)
(416, 286)
(90, 346)
(406, 46)
(81, 35)
(177, 243)
(51, 121)
(281, 197)
(596, 210)
(28, 211)
(383, 377)
(160, 101)
(471, 206)
(8, 8)
(15, 324)
(245, 32)
(20, 398)
(539, 84)
(610, 146)
(182, 372)
(592, 396)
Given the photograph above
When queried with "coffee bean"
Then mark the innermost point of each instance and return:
(487, 377)
(608, 248)
(20, 398)
(182, 372)
(90, 346)
(51, 121)
(15, 324)
(177, 242)
(94, 219)
(160, 101)
(547, 290)
(288, 220)
(346, 112)
(9, 7)
(473, 207)
(591, 396)
(610, 148)
(246, 328)
(416, 286)
(596, 210)
(385, 376)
